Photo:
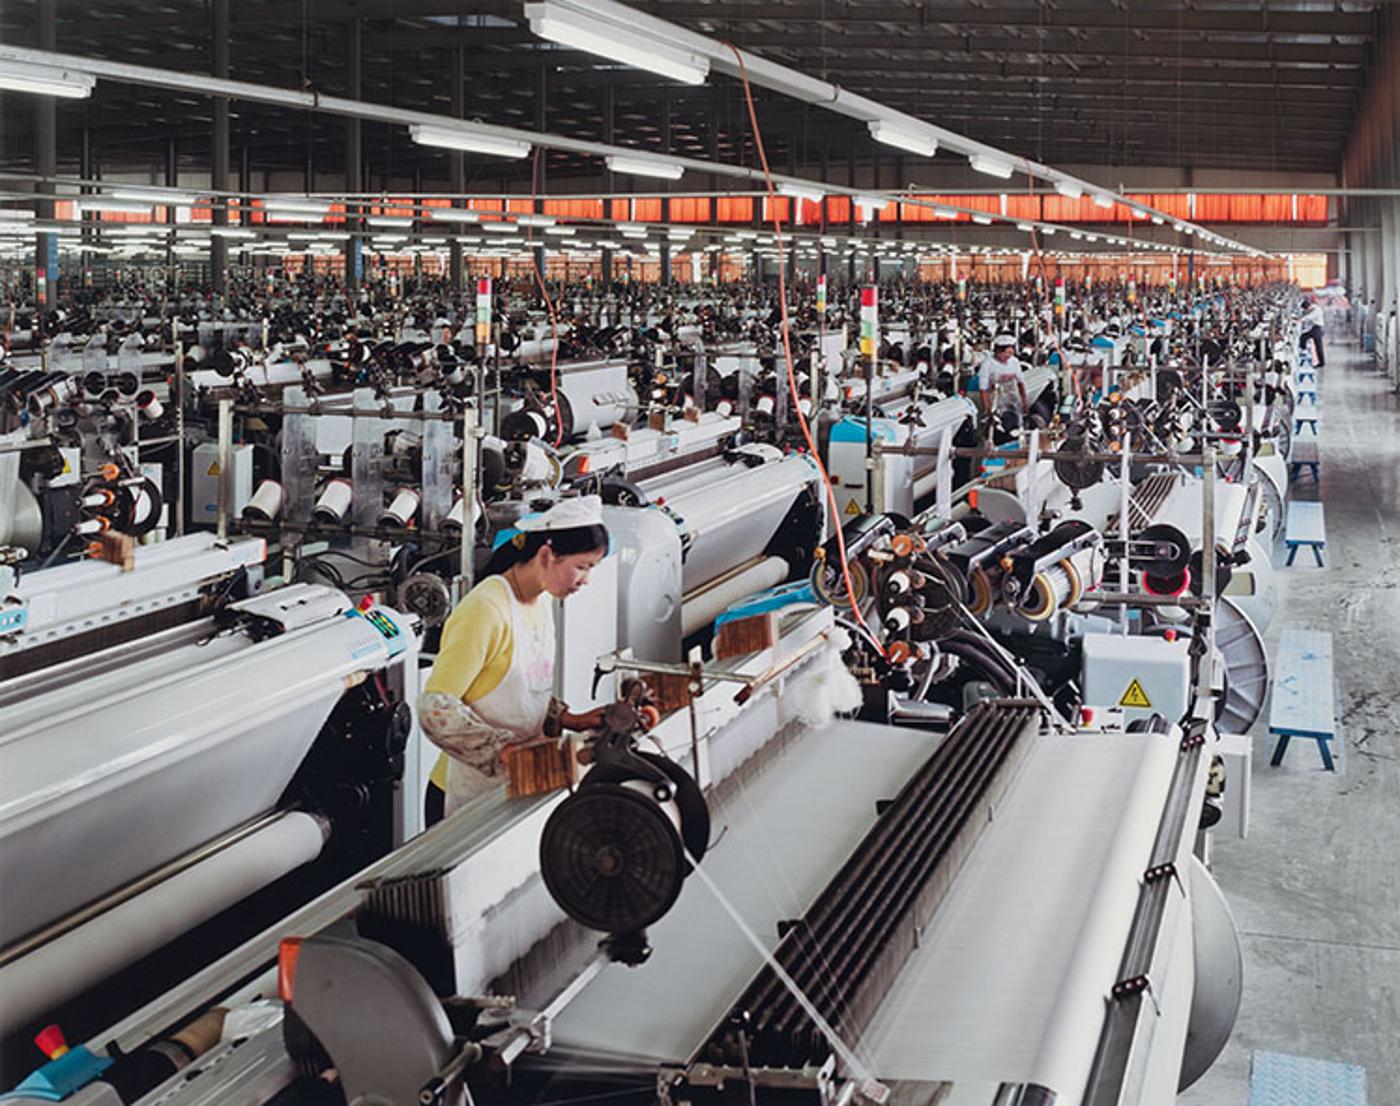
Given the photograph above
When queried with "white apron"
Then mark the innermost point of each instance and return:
(516, 706)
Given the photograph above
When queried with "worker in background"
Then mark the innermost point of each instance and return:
(492, 684)
(1001, 381)
(1312, 329)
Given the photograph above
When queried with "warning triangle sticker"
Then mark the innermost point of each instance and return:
(853, 508)
(214, 469)
(1135, 696)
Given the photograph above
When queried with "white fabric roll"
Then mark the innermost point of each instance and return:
(63, 968)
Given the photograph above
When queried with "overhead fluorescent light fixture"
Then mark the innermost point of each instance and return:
(115, 207)
(391, 222)
(168, 197)
(46, 80)
(16, 213)
(469, 141)
(992, 166)
(564, 231)
(646, 167)
(1024, 226)
(288, 207)
(802, 192)
(903, 138)
(535, 220)
(500, 228)
(982, 220)
(569, 28)
(1158, 220)
(455, 215)
(1069, 190)
(1102, 200)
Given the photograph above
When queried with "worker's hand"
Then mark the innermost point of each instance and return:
(589, 720)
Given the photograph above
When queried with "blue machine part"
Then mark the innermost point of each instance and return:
(774, 599)
(394, 637)
(14, 619)
(58, 1079)
(853, 430)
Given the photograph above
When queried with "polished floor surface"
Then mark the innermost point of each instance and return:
(1316, 886)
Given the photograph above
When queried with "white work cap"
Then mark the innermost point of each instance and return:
(1002, 341)
(567, 514)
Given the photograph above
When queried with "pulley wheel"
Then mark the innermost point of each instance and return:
(612, 858)
(425, 595)
(830, 585)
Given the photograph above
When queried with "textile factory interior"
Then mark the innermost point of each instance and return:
(699, 553)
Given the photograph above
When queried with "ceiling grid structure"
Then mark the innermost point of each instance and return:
(1216, 84)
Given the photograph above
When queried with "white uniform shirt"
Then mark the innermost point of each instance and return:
(995, 376)
(1312, 317)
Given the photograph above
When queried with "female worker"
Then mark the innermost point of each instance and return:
(493, 681)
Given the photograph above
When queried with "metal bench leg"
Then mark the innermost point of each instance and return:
(1317, 554)
(1326, 754)
(1279, 750)
(1292, 552)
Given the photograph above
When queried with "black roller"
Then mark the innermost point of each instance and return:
(1174, 550)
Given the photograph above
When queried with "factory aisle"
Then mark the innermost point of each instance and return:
(1316, 886)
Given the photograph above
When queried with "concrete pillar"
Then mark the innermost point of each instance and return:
(456, 161)
(45, 163)
(1387, 252)
(354, 154)
(218, 251)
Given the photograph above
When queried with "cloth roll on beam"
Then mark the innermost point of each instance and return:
(67, 966)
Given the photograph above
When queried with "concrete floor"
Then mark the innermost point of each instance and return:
(1316, 886)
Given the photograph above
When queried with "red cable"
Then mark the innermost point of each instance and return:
(787, 354)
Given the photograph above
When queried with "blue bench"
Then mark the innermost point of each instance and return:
(1302, 456)
(1304, 697)
(1305, 414)
(1306, 525)
(1305, 373)
(1306, 391)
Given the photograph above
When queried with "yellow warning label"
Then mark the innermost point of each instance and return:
(1135, 696)
(214, 469)
(853, 508)
(67, 466)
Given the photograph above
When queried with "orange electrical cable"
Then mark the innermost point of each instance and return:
(787, 354)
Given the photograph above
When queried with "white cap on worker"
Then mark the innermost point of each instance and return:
(1001, 341)
(567, 514)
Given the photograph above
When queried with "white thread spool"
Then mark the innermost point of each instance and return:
(149, 404)
(401, 510)
(266, 503)
(334, 501)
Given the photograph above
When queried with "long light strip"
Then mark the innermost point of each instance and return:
(993, 167)
(166, 196)
(644, 167)
(892, 135)
(116, 207)
(558, 24)
(455, 215)
(469, 141)
(44, 80)
(290, 206)
(801, 191)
